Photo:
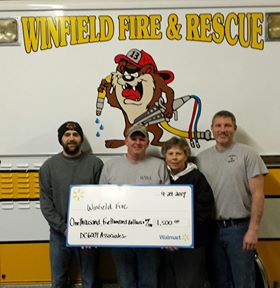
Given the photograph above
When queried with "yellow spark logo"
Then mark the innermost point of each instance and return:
(185, 237)
(78, 194)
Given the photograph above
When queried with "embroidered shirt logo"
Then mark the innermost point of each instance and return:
(145, 177)
(231, 158)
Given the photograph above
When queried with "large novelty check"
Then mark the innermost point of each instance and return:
(130, 216)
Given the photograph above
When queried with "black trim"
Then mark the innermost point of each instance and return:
(272, 161)
(18, 170)
(271, 196)
(24, 242)
(269, 239)
(18, 199)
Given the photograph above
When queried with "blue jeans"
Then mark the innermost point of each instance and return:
(136, 267)
(61, 260)
(230, 266)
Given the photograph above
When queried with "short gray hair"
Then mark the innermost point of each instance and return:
(177, 142)
(225, 114)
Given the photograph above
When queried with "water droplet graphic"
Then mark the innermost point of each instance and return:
(97, 134)
(101, 127)
(97, 121)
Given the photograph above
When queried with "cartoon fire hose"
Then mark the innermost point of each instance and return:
(156, 115)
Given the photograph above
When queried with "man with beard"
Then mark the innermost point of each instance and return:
(70, 167)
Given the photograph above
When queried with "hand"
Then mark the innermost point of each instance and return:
(168, 113)
(103, 86)
(250, 240)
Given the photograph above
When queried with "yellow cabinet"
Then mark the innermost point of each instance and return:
(24, 263)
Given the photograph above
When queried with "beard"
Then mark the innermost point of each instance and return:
(70, 149)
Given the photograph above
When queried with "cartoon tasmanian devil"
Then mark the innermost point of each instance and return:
(134, 88)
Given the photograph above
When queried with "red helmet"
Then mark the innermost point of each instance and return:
(140, 59)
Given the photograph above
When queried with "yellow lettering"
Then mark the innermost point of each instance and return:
(82, 23)
(46, 31)
(30, 34)
(73, 30)
(53, 35)
(94, 37)
(192, 27)
(123, 26)
(155, 21)
(205, 27)
(138, 27)
(173, 28)
(228, 28)
(43, 21)
(133, 27)
(142, 24)
(218, 27)
(242, 30)
(64, 24)
(257, 30)
(106, 25)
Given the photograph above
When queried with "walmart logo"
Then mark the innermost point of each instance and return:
(169, 237)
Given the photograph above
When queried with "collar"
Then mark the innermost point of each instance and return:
(190, 167)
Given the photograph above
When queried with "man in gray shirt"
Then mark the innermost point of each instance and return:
(136, 267)
(71, 166)
(235, 173)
